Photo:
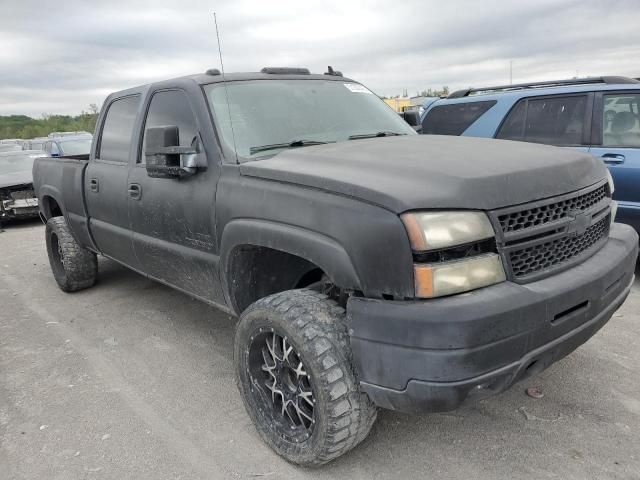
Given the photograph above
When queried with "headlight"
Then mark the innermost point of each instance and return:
(453, 252)
(612, 187)
(436, 230)
(447, 278)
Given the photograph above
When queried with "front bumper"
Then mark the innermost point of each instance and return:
(432, 355)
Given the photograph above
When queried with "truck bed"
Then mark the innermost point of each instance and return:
(59, 183)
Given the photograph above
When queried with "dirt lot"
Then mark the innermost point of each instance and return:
(131, 380)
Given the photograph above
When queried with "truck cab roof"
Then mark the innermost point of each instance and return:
(215, 76)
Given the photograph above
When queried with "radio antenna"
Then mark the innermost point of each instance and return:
(224, 81)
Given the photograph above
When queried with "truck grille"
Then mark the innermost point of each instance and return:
(546, 255)
(541, 238)
(535, 216)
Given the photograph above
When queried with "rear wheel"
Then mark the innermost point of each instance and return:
(294, 371)
(73, 267)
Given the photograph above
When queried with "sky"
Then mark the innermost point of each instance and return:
(59, 60)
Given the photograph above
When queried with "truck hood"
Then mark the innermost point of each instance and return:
(15, 178)
(433, 171)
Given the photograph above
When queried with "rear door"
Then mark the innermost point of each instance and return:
(616, 139)
(173, 219)
(105, 182)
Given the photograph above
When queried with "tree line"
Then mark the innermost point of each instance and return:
(22, 126)
(431, 92)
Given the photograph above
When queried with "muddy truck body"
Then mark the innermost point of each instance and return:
(369, 266)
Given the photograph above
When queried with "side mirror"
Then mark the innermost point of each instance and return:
(412, 117)
(165, 157)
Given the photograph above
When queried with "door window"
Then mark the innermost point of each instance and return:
(551, 120)
(171, 107)
(117, 130)
(621, 120)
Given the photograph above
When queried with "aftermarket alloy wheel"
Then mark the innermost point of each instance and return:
(294, 371)
(282, 384)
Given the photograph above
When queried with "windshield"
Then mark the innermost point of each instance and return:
(279, 114)
(80, 146)
(16, 162)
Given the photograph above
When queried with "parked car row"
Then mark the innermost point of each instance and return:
(34, 143)
(56, 144)
(9, 147)
(17, 198)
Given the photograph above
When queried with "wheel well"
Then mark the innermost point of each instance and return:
(51, 207)
(256, 272)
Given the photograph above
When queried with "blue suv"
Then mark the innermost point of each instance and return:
(600, 115)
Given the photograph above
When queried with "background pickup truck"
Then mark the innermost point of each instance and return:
(370, 266)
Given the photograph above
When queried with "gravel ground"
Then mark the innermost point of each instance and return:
(132, 380)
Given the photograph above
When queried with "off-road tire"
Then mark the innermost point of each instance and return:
(316, 327)
(73, 267)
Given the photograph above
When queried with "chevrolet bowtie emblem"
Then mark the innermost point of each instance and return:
(579, 222)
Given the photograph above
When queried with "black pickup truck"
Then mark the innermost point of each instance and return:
(369, 266)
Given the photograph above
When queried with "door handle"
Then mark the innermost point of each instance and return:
(94, 185)
(135, 191)
(613, 158)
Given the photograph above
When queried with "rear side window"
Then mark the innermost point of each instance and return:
(454, 119)
(117, 129)
(551, 120)
(621, 120)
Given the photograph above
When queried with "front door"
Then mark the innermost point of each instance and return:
(173, 220)
(105, 182)
(617, 142)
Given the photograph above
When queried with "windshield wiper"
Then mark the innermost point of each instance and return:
(291, 144)
(374, 135)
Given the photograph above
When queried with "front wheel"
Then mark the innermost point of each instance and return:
(295, 375)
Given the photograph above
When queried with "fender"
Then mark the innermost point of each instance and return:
(54, 193)
(318, 249)
(78, 224)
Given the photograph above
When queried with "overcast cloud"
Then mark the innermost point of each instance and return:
(59, 59)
